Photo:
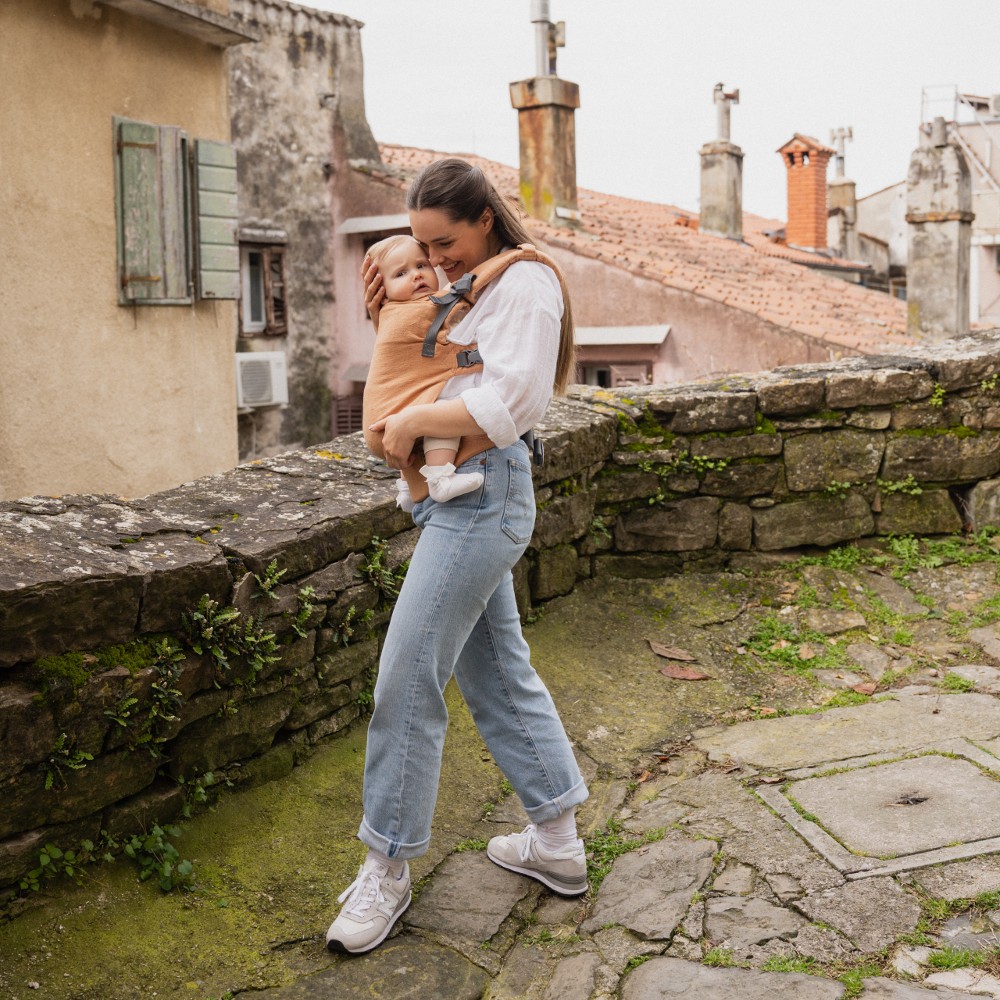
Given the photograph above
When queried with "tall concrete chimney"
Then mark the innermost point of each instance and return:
(842, 199)
(805, 159)
(939, 213)
(546, 128)
(722, 175)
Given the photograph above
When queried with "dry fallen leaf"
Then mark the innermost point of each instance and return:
(683, 673)
(806, 652)
(869, 687)
(780, 644)
(770, 779)
(671, 652)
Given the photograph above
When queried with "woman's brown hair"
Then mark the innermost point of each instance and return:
(463, 192)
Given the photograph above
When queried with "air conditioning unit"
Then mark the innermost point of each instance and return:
(261, 379)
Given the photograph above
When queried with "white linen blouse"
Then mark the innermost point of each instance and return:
(515, 323)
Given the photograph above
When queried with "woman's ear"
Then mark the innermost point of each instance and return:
(486, 220)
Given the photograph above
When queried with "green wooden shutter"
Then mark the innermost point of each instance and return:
(218, 265)
(152, 218)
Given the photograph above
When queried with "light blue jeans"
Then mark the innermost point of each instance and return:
(456, 614)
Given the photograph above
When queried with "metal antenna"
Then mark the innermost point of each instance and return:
(548, 38)
(838, 137)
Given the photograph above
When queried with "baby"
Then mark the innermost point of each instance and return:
(407, 277)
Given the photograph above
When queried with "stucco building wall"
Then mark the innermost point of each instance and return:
(95, 396)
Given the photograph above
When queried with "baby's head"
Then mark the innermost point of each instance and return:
(406, 271)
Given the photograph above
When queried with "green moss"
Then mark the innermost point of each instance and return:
(956, 430)
(765, 426)
(69, 667)
(134, 656)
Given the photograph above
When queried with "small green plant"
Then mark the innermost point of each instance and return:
(53, 862)
(793, 963)
(909, 485)
(989, 384)
(599, 529)
(953, 958)
(158, 858)
(937, 395)
(854, 979)
(64, 755)
(346, 629)
(845, 557)
(611, 843)
(838, 489)
(718, 958)
(271, 578)
(955, 682)
(636, 961)
(305, 597)
(472, 844)
(376, 571)
(224, 632)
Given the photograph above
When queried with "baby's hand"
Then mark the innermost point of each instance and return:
(374, 292)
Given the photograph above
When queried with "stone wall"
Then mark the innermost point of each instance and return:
(229, 625)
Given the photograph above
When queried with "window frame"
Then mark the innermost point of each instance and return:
(273, 290)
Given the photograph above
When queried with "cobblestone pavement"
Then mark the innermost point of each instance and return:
(801, 853)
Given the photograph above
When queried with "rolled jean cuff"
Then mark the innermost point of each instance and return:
(390, 848)
(557, 806)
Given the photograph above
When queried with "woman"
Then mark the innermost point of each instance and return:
(456, 612)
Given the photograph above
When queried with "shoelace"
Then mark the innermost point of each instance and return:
(526, 841)
(364, 891)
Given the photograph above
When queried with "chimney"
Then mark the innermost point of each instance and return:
(547, 128)
(939, 213)
(722, 175)
(805, 159)
(843, 201)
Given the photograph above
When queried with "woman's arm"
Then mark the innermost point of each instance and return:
(445, 418)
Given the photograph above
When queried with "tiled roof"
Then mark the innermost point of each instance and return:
(662, 243)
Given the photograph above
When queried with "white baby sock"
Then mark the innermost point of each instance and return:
(443, 483)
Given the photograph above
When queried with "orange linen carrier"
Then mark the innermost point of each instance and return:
(409, 366)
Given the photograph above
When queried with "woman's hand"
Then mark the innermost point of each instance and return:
(397, 440)
(374, 292)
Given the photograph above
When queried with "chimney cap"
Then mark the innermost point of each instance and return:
(807, 142)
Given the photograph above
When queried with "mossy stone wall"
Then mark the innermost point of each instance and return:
(230, 624)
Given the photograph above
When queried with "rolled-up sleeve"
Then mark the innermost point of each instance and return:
(517, 331)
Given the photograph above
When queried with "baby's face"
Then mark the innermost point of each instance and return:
(407, 273)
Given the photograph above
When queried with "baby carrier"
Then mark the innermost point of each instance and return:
(413, 358)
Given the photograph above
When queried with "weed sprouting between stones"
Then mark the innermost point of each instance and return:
(611, 843)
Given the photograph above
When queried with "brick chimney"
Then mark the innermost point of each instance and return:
(805, 160)
(546, 126)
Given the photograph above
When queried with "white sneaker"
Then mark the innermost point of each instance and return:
(444, 483)
(565, 870)
(375, 901)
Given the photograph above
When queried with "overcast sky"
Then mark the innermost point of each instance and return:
(437, 75)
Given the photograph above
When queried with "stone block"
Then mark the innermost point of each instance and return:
(812, 522)
(700, 412)
(814, 461)
(678, 526)
(662, 978)
(554, 573)
(158, 804)
(929, 513)
(637, 567)
(19, 854)
(798, 392)
(346, 662)
(984, 504)
(735, 527)
(332, 579)
(876, 388)
(575, 436)
(333, 723)
(738, 446)
(213, 742)
(615, 485)
(737, 923)
(318, 704)
(27, 728)
(741, 481)
(869, 420)
(564, 519)
(942, 458)
(74, 793)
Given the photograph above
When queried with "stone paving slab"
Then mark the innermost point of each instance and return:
(905, 723)
(904, 807)
(962, 879)
(649, 890)
(888, 989)
(736, 923)
(661, 978)
(401, 969)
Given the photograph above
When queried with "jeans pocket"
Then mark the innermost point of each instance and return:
(519, 504)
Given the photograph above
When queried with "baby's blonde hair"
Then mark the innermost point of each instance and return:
(378, 251)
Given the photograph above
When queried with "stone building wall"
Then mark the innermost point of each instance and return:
(230, 624)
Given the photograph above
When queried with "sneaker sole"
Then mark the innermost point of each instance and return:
(339, 948)
(577, 888)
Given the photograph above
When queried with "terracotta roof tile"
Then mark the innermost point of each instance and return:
(658, 242)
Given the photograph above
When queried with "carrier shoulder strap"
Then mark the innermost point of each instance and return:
(469, 286)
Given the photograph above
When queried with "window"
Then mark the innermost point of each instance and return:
(262, 305)
(175, 201)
